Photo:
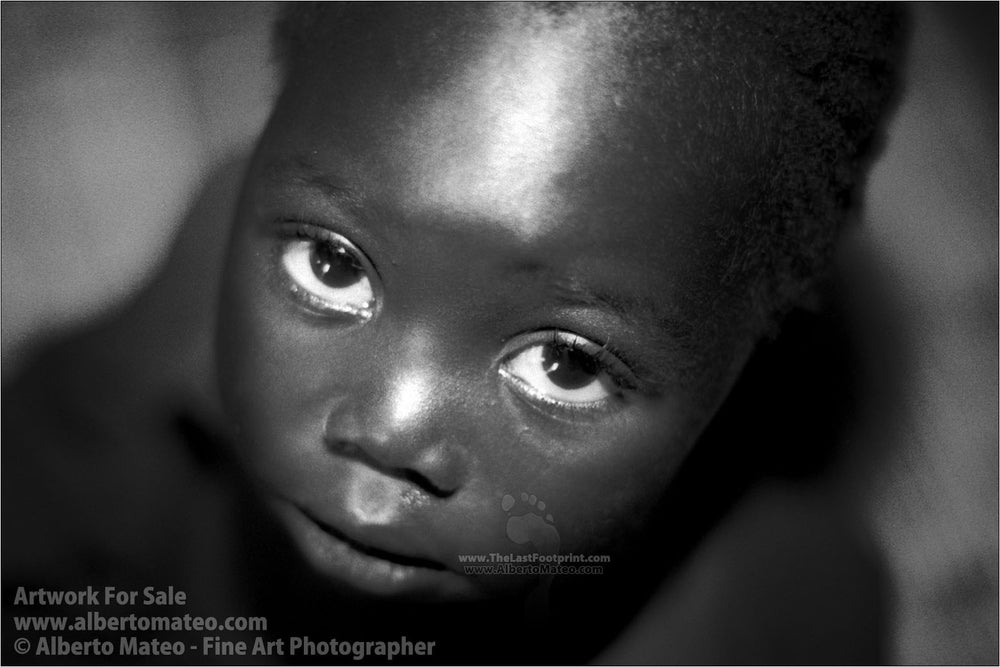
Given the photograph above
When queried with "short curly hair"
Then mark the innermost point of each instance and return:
(789, 99)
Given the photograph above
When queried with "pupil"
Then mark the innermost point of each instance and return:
(568, 368)
(334, 265)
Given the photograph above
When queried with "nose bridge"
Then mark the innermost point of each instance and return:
(410, 382)
(397, 417)
(402, 393)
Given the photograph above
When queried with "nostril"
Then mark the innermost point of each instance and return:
(346, 448)
(353, 450)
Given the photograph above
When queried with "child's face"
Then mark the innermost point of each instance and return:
(456, 276)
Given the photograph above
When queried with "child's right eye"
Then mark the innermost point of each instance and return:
(328, 273)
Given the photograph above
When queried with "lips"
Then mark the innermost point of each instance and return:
(381, 560)
(372, 550)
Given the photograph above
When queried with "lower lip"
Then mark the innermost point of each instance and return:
(340, 561)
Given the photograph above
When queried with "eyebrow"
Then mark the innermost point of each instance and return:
(634, 310)
(299, 171)
(675, 351)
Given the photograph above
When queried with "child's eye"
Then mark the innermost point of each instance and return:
(566, 372)
(329, 274)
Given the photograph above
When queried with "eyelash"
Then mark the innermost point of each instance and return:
(295, 229)
(290, 229)
(608, 361)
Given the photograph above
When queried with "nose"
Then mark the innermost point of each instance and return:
(398, 416)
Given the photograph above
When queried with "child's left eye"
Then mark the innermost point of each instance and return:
(329, 274)
(563, 373)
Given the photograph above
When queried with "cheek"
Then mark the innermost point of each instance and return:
(599, 491)
(264, 370)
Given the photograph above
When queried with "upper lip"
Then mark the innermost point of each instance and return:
(385, 543)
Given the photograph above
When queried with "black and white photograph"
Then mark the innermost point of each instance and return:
(488, 333)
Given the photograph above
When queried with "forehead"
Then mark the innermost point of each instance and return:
(500, 121)
(497, 106)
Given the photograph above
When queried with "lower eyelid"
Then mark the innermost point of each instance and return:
(324, 307)
(594, 407)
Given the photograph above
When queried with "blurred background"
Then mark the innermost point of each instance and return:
(114, 115)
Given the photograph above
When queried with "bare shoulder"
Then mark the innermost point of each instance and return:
(788, 577)
(100, 428)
